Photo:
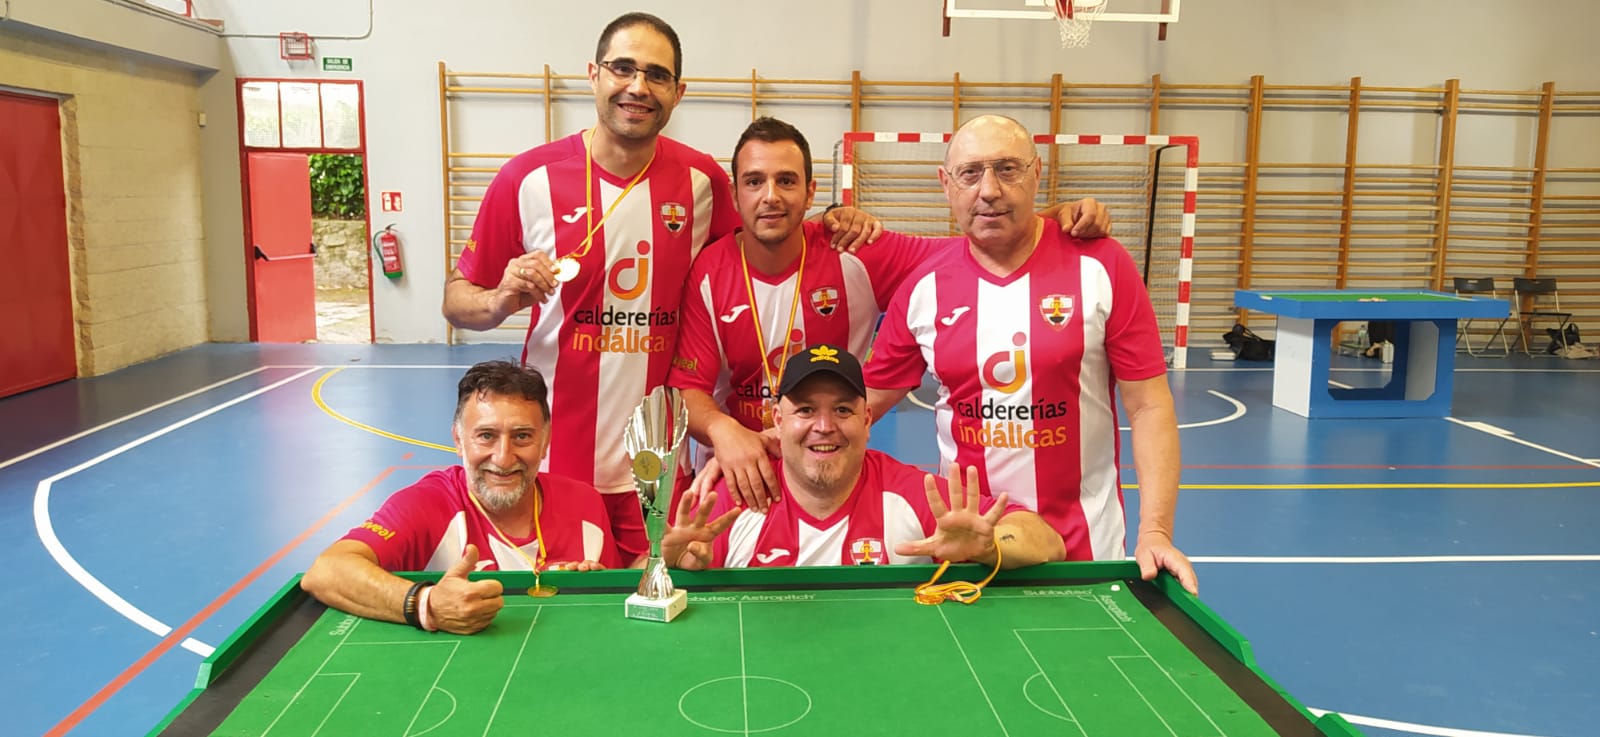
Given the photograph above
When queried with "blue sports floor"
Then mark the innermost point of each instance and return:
(1422, 577)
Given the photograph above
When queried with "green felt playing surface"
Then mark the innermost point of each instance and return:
(1073, 660)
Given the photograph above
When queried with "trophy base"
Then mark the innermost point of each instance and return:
(657, 610)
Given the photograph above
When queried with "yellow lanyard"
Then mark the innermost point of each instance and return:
(538, 533)
(965, 592)
(588, 195)
(755, 314)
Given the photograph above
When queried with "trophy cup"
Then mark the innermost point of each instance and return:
(652, 440)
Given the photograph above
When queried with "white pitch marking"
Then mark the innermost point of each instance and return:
(125, 418)
(69, 564)
(974, 672)
(1163, 670)
(1112, 659)
(435, 687)
(1071, 716)
(515, 663)
(744, 674)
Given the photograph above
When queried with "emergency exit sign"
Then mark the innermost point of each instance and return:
(336, 64)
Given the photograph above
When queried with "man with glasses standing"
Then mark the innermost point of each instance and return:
(1030, 337)
(596, 232)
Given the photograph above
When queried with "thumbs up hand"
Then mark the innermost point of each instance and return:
(462, 606)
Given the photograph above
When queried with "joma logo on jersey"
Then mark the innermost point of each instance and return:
(1056, 309)
(1013, 363)
(621, 269)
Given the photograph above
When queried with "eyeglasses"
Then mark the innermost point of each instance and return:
(1008, 171)
(627, 71)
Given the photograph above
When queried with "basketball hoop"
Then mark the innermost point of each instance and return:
(1075, 17)
(294, 46)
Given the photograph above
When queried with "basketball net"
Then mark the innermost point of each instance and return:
(1075, 18)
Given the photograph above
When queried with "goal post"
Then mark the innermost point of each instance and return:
(1148, 182)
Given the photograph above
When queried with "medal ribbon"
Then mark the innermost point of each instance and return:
(588, 196)
(755, 314)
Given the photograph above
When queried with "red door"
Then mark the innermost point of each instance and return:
(280, 228)
(36, 338)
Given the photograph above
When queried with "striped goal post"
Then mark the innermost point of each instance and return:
(1148, 182)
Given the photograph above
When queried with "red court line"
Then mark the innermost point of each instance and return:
(177, 635)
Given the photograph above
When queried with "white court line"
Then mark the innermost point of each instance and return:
(1371, 559)
(69, 564)
(1415, 728)
(125, 418)
(976, 679)
(1505, 434)
(369, 366)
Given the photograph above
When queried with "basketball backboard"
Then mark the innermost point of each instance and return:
(1160, 12)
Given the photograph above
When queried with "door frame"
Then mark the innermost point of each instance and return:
(65, 125)
(248, 249)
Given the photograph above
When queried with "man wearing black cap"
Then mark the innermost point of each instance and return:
(843, 504)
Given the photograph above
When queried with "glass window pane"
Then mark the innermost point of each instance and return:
(261, 114)
(302, 115)
(341, 121)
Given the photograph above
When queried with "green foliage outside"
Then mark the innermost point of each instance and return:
(336, 188)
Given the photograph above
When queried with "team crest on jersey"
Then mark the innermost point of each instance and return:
(825, 301)
(868, 551)
(1056, 309)
(673, 216)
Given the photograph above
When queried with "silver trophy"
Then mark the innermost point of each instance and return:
(653, 438)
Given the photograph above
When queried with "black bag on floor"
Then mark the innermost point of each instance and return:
(1248, 346)
(1562, 338)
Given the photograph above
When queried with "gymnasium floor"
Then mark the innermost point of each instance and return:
(1435, 577)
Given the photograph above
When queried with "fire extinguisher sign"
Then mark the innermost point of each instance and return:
(391, 201)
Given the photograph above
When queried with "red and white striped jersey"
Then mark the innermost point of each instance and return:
(1027, 367)
(888, 506)
(427, 525)
(840, 297)
(607, 337)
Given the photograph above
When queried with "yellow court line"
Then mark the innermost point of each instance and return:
(316, 396)
(1267, 487)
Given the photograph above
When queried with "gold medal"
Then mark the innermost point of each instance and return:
(767, 419)
(540, 591)
(646, 465)
(566, 269)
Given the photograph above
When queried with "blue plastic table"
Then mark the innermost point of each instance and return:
(1425, 333)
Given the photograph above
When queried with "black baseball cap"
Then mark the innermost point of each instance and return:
(822, 358)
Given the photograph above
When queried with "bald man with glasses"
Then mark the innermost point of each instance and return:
(1031, 337)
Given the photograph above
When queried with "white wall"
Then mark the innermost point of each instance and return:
(1486, 44)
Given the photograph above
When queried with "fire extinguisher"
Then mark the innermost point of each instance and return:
(387, 244)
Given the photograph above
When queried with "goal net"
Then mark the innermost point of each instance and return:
(1147, 182)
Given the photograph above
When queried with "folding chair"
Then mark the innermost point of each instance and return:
(1466, 287)
(1534, 290)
